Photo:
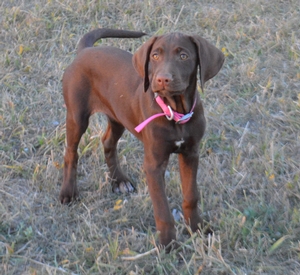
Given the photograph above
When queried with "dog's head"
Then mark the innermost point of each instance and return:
(176, 57)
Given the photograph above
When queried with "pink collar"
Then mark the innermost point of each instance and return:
(168, 112)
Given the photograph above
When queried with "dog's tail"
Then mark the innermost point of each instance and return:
(91, 37)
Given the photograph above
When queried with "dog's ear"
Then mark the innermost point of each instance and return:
(210, 59)
(141, 61)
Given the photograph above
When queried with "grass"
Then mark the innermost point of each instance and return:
(249, 174)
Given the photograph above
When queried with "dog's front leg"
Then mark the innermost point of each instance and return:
(188, 165)
(155, 164)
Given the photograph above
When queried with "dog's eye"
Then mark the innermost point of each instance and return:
(155, 56)
(183, 56)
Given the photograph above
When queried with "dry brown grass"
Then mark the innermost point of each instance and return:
(249, 173)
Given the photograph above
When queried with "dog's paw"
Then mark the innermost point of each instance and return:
(67, 195)
(124, 187)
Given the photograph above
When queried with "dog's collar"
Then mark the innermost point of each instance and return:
(169, 113)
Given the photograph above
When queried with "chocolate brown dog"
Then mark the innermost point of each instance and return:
(114, 82)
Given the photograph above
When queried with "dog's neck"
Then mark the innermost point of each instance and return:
(181, 103)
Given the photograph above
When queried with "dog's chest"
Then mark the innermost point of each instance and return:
(179, 143)
(181, 139)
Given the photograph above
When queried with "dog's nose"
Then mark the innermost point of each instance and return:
(164, 79)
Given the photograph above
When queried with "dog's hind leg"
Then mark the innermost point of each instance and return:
(76, 125)
(120, 182)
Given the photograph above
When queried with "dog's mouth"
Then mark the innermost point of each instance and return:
(168, 93)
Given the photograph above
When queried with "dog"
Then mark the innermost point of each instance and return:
(153, 94)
